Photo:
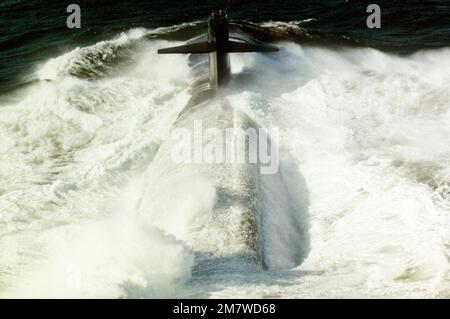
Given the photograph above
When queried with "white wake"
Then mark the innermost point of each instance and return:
(368, 131)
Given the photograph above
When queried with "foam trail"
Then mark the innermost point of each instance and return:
(68, 148)
(371, 132)
(368, 131)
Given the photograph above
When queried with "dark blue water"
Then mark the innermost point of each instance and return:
(34, 30)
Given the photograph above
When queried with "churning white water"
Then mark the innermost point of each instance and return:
(365, 140)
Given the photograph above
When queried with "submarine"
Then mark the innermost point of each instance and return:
(227, 213)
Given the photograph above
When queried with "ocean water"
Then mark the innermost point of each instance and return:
(89, 209)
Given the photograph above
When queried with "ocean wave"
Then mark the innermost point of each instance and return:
(368, 130)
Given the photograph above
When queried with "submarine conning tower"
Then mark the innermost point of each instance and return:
(218, 45)
(219, 61)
